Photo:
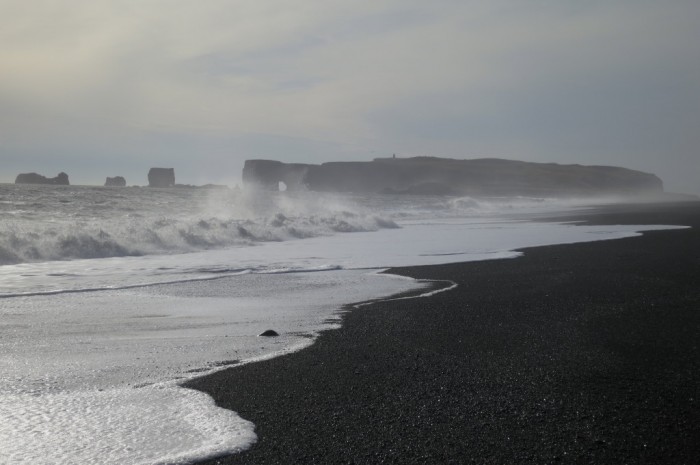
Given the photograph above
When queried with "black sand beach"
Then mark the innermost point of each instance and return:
(583, 353)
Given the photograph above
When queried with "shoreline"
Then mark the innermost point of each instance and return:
(576, 353)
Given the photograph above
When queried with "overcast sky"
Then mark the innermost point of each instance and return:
(101, 88)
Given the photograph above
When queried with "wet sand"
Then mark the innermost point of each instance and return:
(582, 353)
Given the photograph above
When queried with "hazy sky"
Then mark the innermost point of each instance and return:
(100, 88)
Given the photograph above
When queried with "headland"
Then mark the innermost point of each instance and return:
(445, 176)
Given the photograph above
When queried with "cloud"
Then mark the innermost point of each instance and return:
(579, 81)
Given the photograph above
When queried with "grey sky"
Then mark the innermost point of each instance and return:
(100, 88)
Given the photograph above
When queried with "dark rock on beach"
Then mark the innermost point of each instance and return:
(582, 353)
(269, 333)
(34, 178)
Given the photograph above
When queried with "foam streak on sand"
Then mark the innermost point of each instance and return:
(137, 429)
(93, 377)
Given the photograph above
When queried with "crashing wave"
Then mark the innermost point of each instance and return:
(130, 228)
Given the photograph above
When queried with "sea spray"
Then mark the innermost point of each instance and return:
(82, 222)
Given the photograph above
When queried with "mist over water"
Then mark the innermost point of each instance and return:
(48, 223)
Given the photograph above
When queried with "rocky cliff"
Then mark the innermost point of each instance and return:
(34, 178)
(443, 176)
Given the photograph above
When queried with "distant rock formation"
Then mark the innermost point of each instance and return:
(34, 178)
(269, 173)
(444, 176)
(161, 177)
(117, 181)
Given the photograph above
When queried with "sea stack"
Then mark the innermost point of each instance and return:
(117, 181)
(34, 178)
(161, 177)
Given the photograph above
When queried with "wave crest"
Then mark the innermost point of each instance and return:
(226, 220)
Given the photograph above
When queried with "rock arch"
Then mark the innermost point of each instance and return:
(268, 174)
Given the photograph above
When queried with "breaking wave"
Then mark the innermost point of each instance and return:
(79, 222)
(133, 225)
(166, 235)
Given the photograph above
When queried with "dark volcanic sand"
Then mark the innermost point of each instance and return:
(584, 353)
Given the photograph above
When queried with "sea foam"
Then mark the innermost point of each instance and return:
(150, 425)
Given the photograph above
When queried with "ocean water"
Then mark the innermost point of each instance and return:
(112, 297)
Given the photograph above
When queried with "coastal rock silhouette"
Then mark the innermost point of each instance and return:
(117, 181)
(161, 177)
(34, 178)
(445, 176)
